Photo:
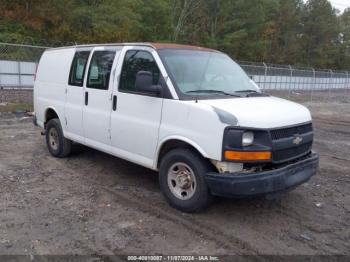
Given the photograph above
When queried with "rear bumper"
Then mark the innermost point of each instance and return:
(260, 183)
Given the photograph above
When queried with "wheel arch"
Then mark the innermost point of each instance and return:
(50, 113)
(171, 143)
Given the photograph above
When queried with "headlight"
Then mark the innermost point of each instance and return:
(247, 138)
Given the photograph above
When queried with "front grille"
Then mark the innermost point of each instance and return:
(289, 153)
(290, 131)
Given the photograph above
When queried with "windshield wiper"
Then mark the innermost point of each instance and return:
(250, 93)
(247, 91)
(211, 91)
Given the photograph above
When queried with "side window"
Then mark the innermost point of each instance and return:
(77, 70)
(100, 69)
(135, 61)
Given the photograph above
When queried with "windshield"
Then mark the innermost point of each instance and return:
(204, 73)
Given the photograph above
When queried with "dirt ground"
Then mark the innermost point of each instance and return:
(93, 203)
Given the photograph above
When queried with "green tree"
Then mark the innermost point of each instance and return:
(278, 31)
(241, 28)
(156, 23)
(286, 44)
(248, 29)
(320, 33)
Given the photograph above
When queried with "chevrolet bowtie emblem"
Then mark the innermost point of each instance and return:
(297, 140)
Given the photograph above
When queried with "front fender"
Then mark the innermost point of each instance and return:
(179, 138)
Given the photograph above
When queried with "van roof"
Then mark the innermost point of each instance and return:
(179, 46)
(156, 46)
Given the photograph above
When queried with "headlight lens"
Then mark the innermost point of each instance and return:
(247, 138)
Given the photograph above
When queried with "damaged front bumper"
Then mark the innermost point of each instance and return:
(265, 182)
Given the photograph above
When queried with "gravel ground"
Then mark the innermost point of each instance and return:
(93, 203)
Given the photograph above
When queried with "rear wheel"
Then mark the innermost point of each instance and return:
(182, 180)
(57, 144)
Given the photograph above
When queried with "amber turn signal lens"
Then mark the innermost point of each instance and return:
(247, 156)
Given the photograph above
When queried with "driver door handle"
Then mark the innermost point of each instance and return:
(114, 103)
(86, 98)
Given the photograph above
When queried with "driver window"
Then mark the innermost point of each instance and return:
(135, 61)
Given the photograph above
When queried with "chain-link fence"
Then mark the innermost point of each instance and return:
(18, 64)
(297, 83)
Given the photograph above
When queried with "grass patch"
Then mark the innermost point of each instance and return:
(13, 106)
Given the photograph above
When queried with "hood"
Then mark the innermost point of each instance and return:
(262, 112)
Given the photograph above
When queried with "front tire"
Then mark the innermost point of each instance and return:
(57, 144)
(182, 180)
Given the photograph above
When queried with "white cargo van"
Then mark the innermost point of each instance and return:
(189, 112)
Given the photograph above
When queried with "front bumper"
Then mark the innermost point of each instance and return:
(265, 182)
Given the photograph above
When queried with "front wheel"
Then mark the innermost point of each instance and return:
(181, 178)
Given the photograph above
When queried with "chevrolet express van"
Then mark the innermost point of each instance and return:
(190, 113)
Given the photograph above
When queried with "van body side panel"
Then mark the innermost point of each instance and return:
(96, 118)
(50, 84)
(193, 123)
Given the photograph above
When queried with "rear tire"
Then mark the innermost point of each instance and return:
(182, 180)
(57, 144)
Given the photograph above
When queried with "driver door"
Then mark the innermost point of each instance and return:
(136, 116)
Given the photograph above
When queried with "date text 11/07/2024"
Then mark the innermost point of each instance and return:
(173, 258)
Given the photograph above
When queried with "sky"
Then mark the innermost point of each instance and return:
(340, 4)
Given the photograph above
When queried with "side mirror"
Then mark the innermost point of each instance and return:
(144, 84)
